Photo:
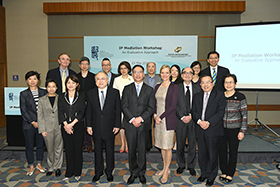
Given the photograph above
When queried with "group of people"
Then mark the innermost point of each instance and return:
(202, 106)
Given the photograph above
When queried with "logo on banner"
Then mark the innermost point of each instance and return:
(178, 49)
(11, 96)
(94, 52)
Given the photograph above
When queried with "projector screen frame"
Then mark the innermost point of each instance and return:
(247, 24)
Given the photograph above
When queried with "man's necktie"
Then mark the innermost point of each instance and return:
(138, 90)
(63, 81)
(204, 106)
(102, 99)
(214, 76)
(188, 96)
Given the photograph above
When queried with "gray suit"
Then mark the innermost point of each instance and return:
(157, 80)
(48, 122)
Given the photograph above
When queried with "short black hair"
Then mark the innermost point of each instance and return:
(232, 76)
(106, 59)
(50, 80)
(137, 65)
(206, 76)
(84, 58)
(126, 64)
(213, 52)
(194, 63)
(31, 73)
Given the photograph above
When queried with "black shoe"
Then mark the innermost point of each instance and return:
(192, 171)
(142, 179)
(180, 170)
(110, 177)
(209, 182)
(222, 178)
(57, 172)
(278, 166)
(131, 179)
(49, 173)
(227, 179)
(96, 178)
(201, 179)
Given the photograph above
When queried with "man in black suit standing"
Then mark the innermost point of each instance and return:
(215, 71)
(106, 67)
(208, 112)
(138, 103)
(185, 124)
(61, 73)
(87, 82)
(103, 117)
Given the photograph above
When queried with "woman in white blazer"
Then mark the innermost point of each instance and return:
(50, 129)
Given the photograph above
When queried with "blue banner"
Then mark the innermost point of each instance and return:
(12, 100)
(180, 50)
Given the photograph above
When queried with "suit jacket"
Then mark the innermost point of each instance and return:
(170, 106)
(157, 80)
(68, 112)
(112, 79)
(133, 106)
(182, 109)
(55, 74)
(47, 115)
(214, 113)
(28, 107)
(103, 121)
(222, 71)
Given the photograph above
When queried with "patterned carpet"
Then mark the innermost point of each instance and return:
(13, 173)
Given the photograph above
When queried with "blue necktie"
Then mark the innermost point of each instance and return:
(214, 76)
(138, 90)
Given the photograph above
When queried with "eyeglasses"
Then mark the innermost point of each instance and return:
(207, 82)
(187, 73)
(106, 64)
(101, 79)
(85, 64)
(137, 72)
(230, 82)
(215, 58)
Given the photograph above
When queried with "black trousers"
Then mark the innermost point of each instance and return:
(136, 140)
(73, 149)
(181, 136)
(229, 142)
(208, 153)
(98, 154)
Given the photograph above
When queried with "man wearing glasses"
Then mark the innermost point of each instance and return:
(215, 71)
(106, 67)
(185, 124)
(208, 110)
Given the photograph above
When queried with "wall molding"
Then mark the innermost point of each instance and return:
(145, 7)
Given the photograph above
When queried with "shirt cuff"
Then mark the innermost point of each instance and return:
(198, 121)
(130, 121)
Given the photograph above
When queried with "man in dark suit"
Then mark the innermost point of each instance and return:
(185, 125)
(61, 73)
(215, 71)
(87, 82)
(138, 103)
(106, 67)
(208, 112)
(103, 116)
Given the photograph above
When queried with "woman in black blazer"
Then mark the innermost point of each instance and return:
(71, 109)
(28, 107)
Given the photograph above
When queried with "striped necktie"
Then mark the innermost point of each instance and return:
(214, 77)
(63, 81)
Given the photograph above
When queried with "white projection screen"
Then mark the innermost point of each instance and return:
(251, 52)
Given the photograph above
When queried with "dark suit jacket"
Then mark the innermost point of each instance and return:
(112, 79)
(103, 121)
(55, 74)
(170, 106)
(214, 113)
(222, 71)
(182, 109)
(88, 84)
(28, 107)
(67, 112)
(133, 106)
